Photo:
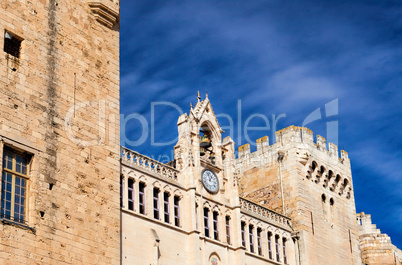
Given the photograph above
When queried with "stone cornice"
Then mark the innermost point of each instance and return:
(103, 13)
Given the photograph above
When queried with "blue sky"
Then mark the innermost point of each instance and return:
(272, 58)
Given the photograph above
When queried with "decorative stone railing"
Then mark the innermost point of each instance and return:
(131, 158)
(264, 212)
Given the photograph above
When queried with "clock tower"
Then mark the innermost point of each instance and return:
(204, 160)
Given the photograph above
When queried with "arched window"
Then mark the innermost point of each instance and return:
(206, 222)
(207, 151)
(227, 220)
(324, 212)
(215, 216)
(243, 234)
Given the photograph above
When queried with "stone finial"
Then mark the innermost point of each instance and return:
(206, 93)
(198, 96)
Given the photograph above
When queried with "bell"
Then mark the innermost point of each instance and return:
(202, 153)
(205, 143)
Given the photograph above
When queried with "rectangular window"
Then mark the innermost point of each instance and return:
(259, 243)
(166, 209)
(12, 44)
(215, 222)
(243, 234)
(176, 202)
(130, 194)
(278, 259)
(142, 197)
(285, 259)
(13, 186)
(156, 203)
(228, 230)
(251, 236)
(206, 222)
(270, 245)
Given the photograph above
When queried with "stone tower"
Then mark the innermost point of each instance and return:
(59, 134)
(310, 184)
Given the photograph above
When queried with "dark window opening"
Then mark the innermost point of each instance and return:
(12, 44)
(285, 258)
(206, 222)
(166, 208)
(142, 197)
(251, 236)
(243, 234)
(216, 229)
(130, 194)
(176, 202)
(269, 245)
(277, 248)
(228, 230)
(156, 203)
(259, 243)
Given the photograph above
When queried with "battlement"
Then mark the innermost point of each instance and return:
(294, 135)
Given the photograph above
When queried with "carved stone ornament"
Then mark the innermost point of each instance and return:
(105, 13)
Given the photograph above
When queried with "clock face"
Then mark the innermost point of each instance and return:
(210, 181)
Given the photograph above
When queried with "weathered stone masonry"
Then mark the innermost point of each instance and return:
(67, 57)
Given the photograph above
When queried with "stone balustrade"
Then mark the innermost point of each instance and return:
(264, 212)
(133, 158)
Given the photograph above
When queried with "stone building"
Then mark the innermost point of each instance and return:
(191, 212)
(59, 137)
(71, 195)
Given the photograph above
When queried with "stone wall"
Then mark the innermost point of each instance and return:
(376, 248)
(60, 104)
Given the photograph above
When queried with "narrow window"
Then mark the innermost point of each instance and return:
(285, 258)
(243, 234)
(12, 44)
(166, 209)
(121, 191)
(277, 248)
(176, 202)
(130, 194)
(215, 222)
(142, 197)
(227, 229)
(259, 243)
(323, 199)
(251, 236)
(331, 203)
(156, 203)
(196, 216)
(13, 188)
(206, 222)
(270, 245)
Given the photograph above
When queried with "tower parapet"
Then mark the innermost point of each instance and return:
(290, 136)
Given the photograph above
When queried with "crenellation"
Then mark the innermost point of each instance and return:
(321, 143)
(244, 150)
(287, 137)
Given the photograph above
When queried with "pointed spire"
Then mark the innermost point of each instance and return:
(191, 105)
(206, 93)
(198, 96)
